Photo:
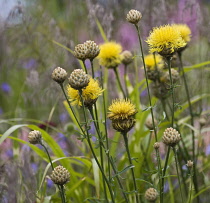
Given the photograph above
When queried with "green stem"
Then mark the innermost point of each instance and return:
(130, 161)
(60, 190)
(172, 90)
(118, 80)
(100, 147)
(92, 150)
(146, 76)
(125, 75)
(85, 67)
(191, 184)
(93, 74)
(164, 172)
(192, 123)
(177, 169)
(159, 170)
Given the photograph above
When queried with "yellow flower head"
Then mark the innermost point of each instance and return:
(121, 109)
(184, 31)
(90, 93)
(109, 55)
(165, 40)
(150, 61)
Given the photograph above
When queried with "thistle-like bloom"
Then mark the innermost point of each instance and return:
(184, 30)
(121, 109)
(109, 55)
(90, 94)
(165, 40)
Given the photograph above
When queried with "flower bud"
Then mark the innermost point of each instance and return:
(133, 16)
(35, 137)
(151, 195)
(60, 175)
(59, 75)
(171, 137)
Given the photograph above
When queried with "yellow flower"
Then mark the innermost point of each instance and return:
(121, 109)
(184, 31)
(165, 40)
(150, 62)
(90, 94)
(109, 55)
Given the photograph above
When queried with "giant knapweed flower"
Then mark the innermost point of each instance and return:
(122, 113)
(184, 31)
(90, 94)
(165, 40)
(60, 175)
(154, 66)
(109, 55)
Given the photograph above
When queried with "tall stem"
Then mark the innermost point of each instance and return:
(100, 147)
(92, 150)
(192, 123)
(125, 75)
(172, 90)
(130, 161)
(164, 172)
(62, 193)
(93, 74)
(118, 80)
(177, 169)
(85, 67)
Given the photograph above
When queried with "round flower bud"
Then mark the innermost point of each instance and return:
(189, 164)
(151, 195)
(174, 76)
(127, 57)
(92, 49)
(202, 121)
(60, 175)
(123, 126)
(78, 79)
(171, 137)
(59, 75)
(35, 137)
(149, 123)
(156, 145)
(133, 16)
(159, 90)
(81, 51)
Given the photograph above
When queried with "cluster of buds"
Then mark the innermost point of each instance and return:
(87, 50)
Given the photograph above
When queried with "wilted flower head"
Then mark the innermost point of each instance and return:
(109, 55)
(90, 94)
(184, 30)
(165, 40)
(121, 109)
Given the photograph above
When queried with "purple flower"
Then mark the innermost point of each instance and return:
(30, 64)
(49, 183)
(144, 93)
(34, 167)
(9, 153)
(184, 167)
(64, 117)
(5, 87)
(208, 150)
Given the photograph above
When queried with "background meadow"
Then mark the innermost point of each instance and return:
(36, 37)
